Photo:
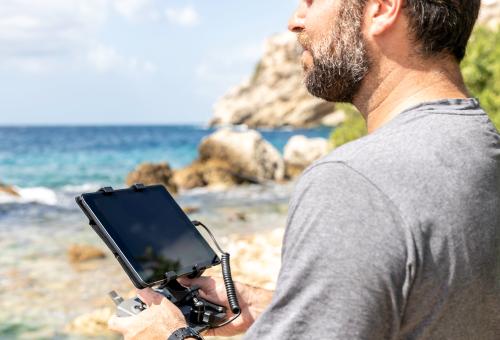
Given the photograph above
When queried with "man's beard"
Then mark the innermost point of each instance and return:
(341, 60)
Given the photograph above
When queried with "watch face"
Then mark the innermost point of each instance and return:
(185, 333)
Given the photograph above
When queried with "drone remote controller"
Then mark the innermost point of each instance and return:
(153, 206)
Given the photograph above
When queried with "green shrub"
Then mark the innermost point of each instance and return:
(481, 70)
(352, 128)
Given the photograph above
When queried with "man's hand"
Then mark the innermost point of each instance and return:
(158, 321)
(252, 302)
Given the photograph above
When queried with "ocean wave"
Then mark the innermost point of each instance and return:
(39, 195)
(78, 189)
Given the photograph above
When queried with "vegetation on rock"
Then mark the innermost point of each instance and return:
(352, 128)
(481, 70)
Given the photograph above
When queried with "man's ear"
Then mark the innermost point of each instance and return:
(381, 15)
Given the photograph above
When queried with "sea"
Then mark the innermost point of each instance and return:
(40, 292)
(59, 158)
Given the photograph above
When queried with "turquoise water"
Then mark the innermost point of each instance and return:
(55, 157)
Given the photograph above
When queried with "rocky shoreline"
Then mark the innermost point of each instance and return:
(231, 157)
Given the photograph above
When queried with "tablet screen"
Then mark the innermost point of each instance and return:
(152, 231)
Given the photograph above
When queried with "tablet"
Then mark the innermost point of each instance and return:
(148, 233)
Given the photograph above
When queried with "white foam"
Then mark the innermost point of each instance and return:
(30, 195)
(87, 187)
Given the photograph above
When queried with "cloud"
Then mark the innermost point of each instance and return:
(134, 9)
(40, 36)
(185, 16)
(49, 26)
(106, 59)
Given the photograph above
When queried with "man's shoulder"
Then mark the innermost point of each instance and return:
(418, 138)
(415, 160)
(336, 183)
(366, 155)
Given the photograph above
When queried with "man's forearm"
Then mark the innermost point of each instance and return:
(259, 300)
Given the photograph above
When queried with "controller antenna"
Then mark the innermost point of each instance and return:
(226, 275)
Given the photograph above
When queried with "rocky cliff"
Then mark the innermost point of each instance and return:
(490, 13)
(274, 96)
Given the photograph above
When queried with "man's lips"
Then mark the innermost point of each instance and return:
(303, 41)
(307, 58)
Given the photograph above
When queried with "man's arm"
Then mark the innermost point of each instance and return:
(346, 263)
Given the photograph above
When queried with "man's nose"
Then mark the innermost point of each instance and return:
(297, 22)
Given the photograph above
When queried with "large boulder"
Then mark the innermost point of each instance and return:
(9, 190)
(150, 174)
(275, 95)
(300, 152)
(212, 172)
(249, 156)
(228, 158)
(190, 177)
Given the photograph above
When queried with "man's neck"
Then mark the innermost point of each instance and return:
(387, 92)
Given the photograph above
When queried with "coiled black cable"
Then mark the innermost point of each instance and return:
(227, 277)
(228, 282)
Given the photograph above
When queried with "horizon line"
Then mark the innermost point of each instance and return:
(110, 124)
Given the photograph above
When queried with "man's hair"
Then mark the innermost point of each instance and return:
(438, 26)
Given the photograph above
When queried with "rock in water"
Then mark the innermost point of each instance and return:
(7, 189)
(78, 253)
(228, 158)
(300, 152)
(150, 174)
(212, 172)
(190, 177)
(248, 155)
(218, 172)
(275, 96)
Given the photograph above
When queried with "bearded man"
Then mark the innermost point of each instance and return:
(395, 235)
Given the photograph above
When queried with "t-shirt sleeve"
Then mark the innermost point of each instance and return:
(346, 268)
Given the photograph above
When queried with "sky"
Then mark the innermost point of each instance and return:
(72, 62)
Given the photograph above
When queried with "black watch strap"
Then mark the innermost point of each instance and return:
(183, 333)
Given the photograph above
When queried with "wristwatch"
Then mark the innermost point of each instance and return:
(185, 333)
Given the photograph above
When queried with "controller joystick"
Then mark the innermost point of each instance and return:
(129, 307)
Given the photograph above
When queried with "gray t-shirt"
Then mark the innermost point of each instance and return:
(396, 235)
